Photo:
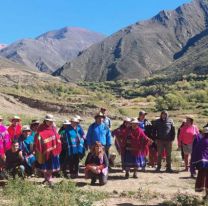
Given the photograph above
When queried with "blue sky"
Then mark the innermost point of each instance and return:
(30, 18)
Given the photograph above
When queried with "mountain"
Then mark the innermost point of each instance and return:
(2, 46)
(51, 50)
(140, 49)
(193, 58)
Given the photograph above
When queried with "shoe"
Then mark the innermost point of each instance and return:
(135, 176)
(93, 181)
(169, 170)
(143, 169)
(127, 175)
(205, 197)
(157, 169)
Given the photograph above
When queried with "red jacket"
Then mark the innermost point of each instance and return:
(15, 132)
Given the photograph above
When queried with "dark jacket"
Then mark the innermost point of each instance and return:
(164, 129)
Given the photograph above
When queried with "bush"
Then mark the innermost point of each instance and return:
(170, 102)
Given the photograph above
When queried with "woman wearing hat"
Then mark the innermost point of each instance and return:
(119, 134)
(26, 142)
(186, 138)
(134, 147)
(74, 143)
(15, 129)
(47, 147)
(63, 155)
(200, 161)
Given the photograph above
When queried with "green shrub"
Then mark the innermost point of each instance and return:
(170, 102)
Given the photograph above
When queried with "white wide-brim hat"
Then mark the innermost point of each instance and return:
(49, 117)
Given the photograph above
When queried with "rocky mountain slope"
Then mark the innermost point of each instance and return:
(51, 50)
(140, 49)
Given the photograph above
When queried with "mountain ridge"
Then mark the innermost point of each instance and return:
(52, 49)
(140, 49)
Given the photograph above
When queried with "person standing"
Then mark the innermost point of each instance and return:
(164, 133)
(15, 129)
(99, 132)
(64, 151)
(119, 134)
(146, 126)
(200, 161)
(74, 140)
(47, 147)
(106, 120)
(186, 137)
(5, 145)
(134, 148)
(26, 142)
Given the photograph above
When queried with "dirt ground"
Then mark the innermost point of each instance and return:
(149, 189)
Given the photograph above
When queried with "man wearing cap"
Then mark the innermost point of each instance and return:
(99, 132)
(15, 129)
(106, 120)
(146, 126)
(164, 133)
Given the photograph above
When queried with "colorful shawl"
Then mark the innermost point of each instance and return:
(5, 142)
(139, 142)
(47, 143)
(74, 138)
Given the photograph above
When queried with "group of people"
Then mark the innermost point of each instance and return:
(40, 146)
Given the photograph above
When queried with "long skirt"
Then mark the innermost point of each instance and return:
(52, 165)
(202, 180)
(133, 161)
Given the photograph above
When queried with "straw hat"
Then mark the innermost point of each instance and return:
(190, 117)
(74, 119)
(15, 117)
(100, 114)
(127, 119)
(35, 121)
(26, 128)
(134, 121)
(49, 117)
(205, 130)
(78, 117)
(66, 122)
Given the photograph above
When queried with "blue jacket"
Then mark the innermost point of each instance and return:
(100, 133)
(74, 140)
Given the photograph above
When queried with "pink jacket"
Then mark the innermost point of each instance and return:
(187, 134)
(5, 142)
